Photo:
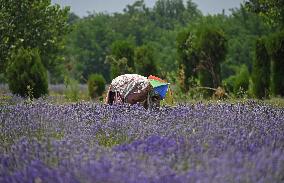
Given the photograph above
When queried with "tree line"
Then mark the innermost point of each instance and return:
(173, 40)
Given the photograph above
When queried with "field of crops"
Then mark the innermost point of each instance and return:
(87, 142)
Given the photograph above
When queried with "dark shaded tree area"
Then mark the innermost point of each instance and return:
(212, 48)
(276, 47)
(145, 61)
(261, 70)
(270, 51)
(121, 59)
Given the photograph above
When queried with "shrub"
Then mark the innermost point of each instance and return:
(261, 70)
(26, 74)
(72, 92)
(242, 79)
(239, 83)
(96, 85)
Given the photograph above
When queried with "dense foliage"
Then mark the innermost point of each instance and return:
(144, 60)
(88, 142)
(109, 44)
(122, 51)
(93, 38)
(26, 74)
(238, 83)
(32, 24)
(187, 58)
(261, 70)
(200, 53)
(271, 10)
(175, 32)
(43, 141)
(277, 56)
(212, 48)
(96, 85)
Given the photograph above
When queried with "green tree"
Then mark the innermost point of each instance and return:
(170, 8)
(276, 49)
(89, 44)
(169, 12)
(96, 85)
(118, 66)
(32, 24)
(242, 28)
(271, 10)
(91, 40)
(145, 61)
(212, 49)
(239, 82)
(123, 49)
(261, 70)
(187, 57)
(26, 74)
(72, 18)
(192, 12)
(137, 24)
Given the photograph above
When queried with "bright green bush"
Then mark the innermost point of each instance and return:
(26, 74)
(242, 80)
(96, 85)
(261, 70)
(238, 83)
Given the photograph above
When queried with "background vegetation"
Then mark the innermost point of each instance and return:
(196, 53)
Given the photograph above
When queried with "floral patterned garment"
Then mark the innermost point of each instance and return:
(129, 88)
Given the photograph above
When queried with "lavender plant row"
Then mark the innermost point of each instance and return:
(86, 142)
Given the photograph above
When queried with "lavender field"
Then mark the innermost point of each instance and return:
(87, 142)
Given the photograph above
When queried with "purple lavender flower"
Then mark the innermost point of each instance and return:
(87, 142)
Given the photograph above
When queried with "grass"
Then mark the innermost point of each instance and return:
(279, 102)
(59, 94)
